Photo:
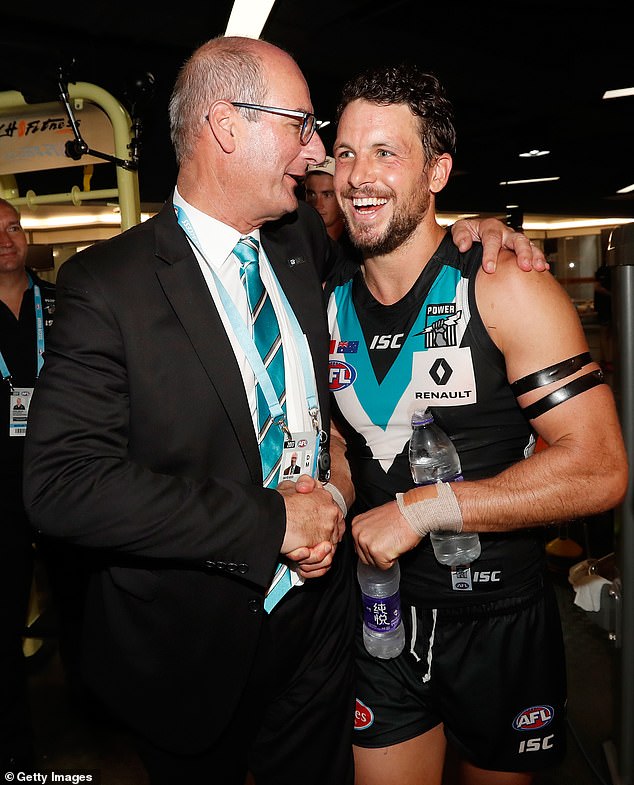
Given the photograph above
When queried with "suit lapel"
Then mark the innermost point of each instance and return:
(303, 297)
(186, 290)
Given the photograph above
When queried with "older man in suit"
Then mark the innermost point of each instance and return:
(178, 642)
(189, 635)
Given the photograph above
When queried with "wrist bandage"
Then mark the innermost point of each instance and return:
(337, 497)
(431, 515)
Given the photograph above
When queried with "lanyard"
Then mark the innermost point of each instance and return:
(246, 341)
(39, 335)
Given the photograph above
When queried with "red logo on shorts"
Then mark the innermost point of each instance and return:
(534, 718)
(363, 716)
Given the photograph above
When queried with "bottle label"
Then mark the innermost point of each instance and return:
(381, 614)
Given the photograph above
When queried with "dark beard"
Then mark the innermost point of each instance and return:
(398, 231)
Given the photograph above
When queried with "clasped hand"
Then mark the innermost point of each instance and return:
(314, 526)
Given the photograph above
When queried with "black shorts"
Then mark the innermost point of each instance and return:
(494, 674)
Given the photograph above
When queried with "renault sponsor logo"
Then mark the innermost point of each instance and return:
(441, 371)
(444, 377)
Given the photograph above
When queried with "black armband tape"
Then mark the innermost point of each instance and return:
(564, 393)
(551, 374)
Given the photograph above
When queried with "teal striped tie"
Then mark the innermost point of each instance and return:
(268, 341)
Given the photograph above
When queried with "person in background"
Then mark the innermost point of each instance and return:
(27, 304)
(320, 193)
(483, 665)
(189, 637)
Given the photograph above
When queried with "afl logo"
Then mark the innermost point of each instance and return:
(363, 716)
(534, 718)
(302, 443)
(340, 375)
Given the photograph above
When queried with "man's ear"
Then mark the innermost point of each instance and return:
(222, 119)
(439, 173)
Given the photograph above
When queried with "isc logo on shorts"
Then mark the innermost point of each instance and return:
(534, 718)
(363, 716)
(536, 745)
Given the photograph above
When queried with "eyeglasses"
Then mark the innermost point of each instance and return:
(309, 123)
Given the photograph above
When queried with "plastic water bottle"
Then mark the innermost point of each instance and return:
(383, 632)
(433, 458)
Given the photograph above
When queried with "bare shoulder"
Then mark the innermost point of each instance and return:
(515, 289)
(515, 304)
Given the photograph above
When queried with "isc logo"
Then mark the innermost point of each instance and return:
(387, 341)
(534, 745)
(340, 375)
(487, 576)
(363, 716)
(534, 718)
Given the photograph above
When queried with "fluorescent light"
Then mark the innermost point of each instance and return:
(248, 17)
(626, 190)
(534, 154)
(622, 93)
(69, 221)
(542, 223)
(446, 219)
(573, 223)
(532, 180)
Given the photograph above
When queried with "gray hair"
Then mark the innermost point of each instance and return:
(224, 68)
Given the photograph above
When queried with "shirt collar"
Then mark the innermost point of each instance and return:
(217, 239)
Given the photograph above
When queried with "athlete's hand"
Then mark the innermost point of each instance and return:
(382, 534)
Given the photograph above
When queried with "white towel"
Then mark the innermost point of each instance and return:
(588, 591)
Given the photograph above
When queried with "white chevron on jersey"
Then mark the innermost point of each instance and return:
(421, 375)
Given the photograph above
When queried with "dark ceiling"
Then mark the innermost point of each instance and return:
(521, 76)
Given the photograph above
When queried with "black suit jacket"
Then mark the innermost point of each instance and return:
(141, 448)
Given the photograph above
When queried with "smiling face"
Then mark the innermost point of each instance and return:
(381, 178)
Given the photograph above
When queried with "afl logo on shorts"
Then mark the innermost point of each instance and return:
(340, 375)
(363, 716)
(534, 718)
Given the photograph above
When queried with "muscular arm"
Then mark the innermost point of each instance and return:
(584, 470)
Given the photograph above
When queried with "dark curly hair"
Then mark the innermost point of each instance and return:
(421, 92)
